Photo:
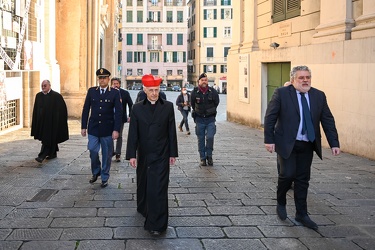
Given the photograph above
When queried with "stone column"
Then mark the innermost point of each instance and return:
(365, 24)
(336, 21)
(250, 41)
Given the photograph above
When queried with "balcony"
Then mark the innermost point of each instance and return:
(154, 47)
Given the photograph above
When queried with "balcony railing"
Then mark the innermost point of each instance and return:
(153, 47)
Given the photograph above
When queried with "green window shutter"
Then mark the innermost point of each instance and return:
(205, 32)
(144, 57)
(135, 57)
(204, 68)
(129, 39)
(184, 56)
(293, 8)
(215, 32)
(214, 69)
(165, 56)
(174, 56)
(285, 9)
(221, 68)
(204, 14)
(215, 14)
(222, 13)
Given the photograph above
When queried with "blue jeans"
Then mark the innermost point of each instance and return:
(185, 114)
(205, 133)
(94, 145)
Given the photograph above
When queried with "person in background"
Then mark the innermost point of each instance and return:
(151, 149)
(50, 121)
(126, 100)
(103, 126)
(204, 102)
(297, 111)
(183, 104)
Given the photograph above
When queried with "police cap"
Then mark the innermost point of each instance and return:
(202, 76)
(102, 72)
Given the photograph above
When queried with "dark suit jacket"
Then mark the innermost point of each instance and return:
(180, 102)
(106, 112)
(126, 100)
(282, 120)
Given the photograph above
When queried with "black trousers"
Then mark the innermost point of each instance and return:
(46, 150)
(296, 168)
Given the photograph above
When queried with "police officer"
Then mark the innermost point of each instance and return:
(204, 102)
(103, 126)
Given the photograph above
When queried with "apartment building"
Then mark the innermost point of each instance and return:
(154, 41)
(335, 38)
(210, 38)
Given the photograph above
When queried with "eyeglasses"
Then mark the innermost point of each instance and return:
(102, 77)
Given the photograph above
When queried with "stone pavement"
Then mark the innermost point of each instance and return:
(228, 206)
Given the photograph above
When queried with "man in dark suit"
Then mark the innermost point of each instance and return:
(126, 101)
(292, 129)
(103, 126)
(151, 149)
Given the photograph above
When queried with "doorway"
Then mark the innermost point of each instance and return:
(277, 75)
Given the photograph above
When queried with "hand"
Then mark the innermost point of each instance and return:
(172, 160)
(270, 147)
(114, 135)
(133, 162)
(83, 132)
(335, 151)
(128, 119)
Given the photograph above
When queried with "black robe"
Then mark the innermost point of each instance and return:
(152, 140)
(50, 119)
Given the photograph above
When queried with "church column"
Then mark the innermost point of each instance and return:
(336, 21)
(365, 24)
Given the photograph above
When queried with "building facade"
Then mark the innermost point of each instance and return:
(63, 41)
(154, 41)
(210, 38)
(338, 46)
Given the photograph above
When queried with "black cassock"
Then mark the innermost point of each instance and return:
(152, 140)
(50, 119)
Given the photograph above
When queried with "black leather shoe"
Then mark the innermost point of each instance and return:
(94, 178)
(50, 157)
(210, 161)
(203, 162)
(118, 158)
(155, 233)
(40, 159)
(307, 222)
(281, 212)
(104, 184)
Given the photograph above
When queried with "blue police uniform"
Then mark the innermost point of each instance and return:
(105, 117)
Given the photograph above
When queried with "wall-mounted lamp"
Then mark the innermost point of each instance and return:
(199, 44)
(274, 45)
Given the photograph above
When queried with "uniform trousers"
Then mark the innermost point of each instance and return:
(94, 145)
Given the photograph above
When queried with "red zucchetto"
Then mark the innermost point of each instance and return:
(151, 81)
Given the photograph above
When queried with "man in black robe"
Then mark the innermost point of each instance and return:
(50, 121)
(151, 149)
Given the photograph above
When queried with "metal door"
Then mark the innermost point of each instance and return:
(277, 75)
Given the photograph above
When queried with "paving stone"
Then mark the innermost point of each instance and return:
(242, 232)
(365, 243)
(94, 204)
(49, 204)
(330, 243)
(341, 231)
(199, 232)
(234, 210)
(48, 245)
(29, 212)
(101, 244)
(180, 244)
(77, 222)
(131, 221)
(4, 233)
(200, 196)
(186, 211)
(258, 220)
(113, 197)
(11, 245)
(189, 203)
(287, 232)
(100, 233)
(5, 210)
(233, 244)
(140, 233)
(23, 222)
(106, 212)
(126, 204)
(361, 219)
(35, 234)
(73, 212)
(226, 202)
(199, 221)
(287, 244)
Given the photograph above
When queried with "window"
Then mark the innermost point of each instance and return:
(169, 39)
(129, 2)
(223, 68)
(209, 32)
(180, 57)
(169, 72)
(139, 57)
(129, 39)
(226, 14)
(129, 56)
(139, 39)
(210, 52)
(154, 16)
(227, 31)
(226, 49)
(129, 72)
(139, 16)
(139, 2)
(119, 35)
(169, 2)
(209, 68)
(154, 72)
(209, 2)
(210, 14)
(119, 60)
(180, 38)
(180, 16)
(129, 16)
(169, 16)
(140, 72)
(154, 2)
(285, 9)
(179, 72)
(226, 2)
(154, 57)
(179, 2)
